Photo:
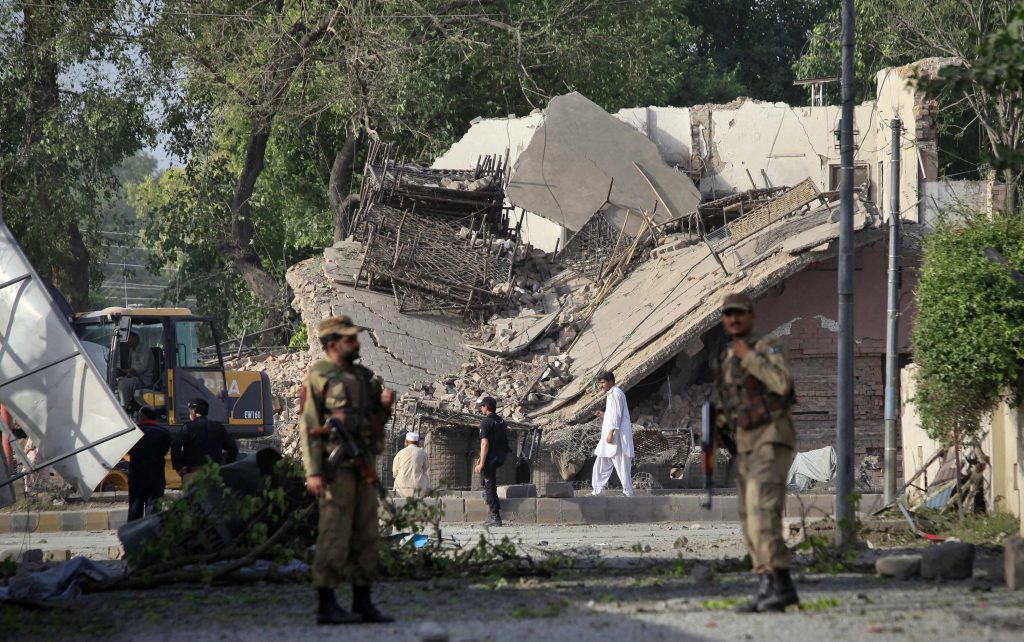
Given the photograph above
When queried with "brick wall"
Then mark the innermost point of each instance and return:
(812, 351)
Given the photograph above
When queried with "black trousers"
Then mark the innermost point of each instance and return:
(489, 480)
(142, 498)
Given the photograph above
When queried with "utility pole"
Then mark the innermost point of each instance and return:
(845, 518)
(892, 357)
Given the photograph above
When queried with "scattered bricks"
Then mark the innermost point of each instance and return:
(96, 520)
(949, 561)
(56, 555)
(557, 489)
(902, 567)
(115, 552)
(680, 542)
(48, 523)
(72, 520)
(32, 556)
(117, 518)
(517, 491)
(1013, 561)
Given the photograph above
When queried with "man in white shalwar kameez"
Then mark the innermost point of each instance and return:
(615, 448)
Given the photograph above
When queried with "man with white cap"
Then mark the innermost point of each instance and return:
(410, 468)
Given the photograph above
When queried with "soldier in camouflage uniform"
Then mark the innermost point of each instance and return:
(346, 547)
(753, 394)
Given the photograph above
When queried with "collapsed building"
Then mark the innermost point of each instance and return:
(541, 250)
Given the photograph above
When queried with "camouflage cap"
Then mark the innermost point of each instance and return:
(737, 301)
(338, 325)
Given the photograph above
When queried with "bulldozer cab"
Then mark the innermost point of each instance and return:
(163, 357)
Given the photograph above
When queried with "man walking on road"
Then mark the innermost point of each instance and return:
(615, 447)
(339, 390)
(753, 394)
(410, 468)
(493, 453)
(200, 440)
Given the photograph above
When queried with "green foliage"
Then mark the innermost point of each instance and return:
(300, 338)
(967, 338)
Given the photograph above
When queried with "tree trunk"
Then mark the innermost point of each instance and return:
(272, 294)
(341, 169)
(78, 270)
(1012, 185)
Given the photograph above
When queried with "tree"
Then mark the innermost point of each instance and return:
(992, 84)
(72, 106)
(966, 338)
(265, 82)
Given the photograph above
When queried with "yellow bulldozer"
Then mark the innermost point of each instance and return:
(187, 364)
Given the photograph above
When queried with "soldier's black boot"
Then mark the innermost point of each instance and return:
(363, 605)
(764, 590)
(495, 520)
(328, 611)
(783, 593)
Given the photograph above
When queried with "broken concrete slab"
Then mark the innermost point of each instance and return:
(663, 304)
(522, 338)
(342, 262)
(580, 147)
(517, 491)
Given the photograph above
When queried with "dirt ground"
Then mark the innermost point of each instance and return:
(634, 582)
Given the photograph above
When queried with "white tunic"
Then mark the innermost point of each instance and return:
(410, 472)
(616, 417)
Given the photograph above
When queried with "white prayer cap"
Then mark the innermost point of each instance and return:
(412, 436)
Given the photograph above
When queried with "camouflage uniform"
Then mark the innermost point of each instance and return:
(753, 396)
(346, 547)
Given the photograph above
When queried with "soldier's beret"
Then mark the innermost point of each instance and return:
(737, 301)
(338, 325)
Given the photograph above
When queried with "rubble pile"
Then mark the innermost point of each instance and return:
(678, 412)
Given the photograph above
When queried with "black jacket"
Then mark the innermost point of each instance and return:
(201, 439)
(146, 458)
(494, 429)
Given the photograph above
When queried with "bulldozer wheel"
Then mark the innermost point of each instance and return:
(115, 480)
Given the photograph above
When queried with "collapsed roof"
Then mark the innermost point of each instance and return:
(666, 304)
(582, 160)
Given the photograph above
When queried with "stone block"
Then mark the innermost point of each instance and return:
(557, 489)
(115, 552)
(1013, 563)
(476, 510)
(454, 509)
(662, 509)
(24, 522)
(901, 567)
(56, 555)
(618, 510)
(521, 510)
(548, 511)
(72, 520)
(48, 523)
(685, 508)
(640, 509)
(517, 491)
(95, 520)
(949, 561)
(117, 518)
(594, 509)
(570, 510)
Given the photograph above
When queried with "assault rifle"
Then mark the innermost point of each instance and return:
(709, 434)
(349, 447)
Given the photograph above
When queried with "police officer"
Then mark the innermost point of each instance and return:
(753, 394)
(346, 547)
(493, 453)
